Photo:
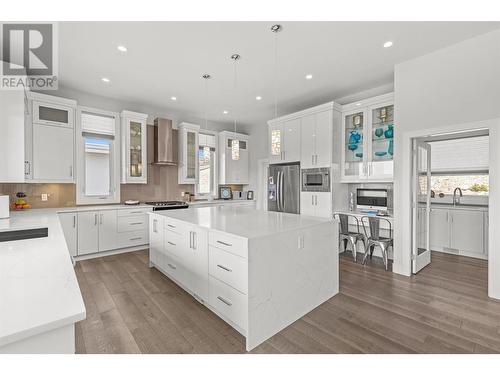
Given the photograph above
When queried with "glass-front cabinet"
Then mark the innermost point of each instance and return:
(134, 145)
(368, 140)
(188, 153)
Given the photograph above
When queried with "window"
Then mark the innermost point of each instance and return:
(97, 157)
(460, 163)
(97, 166)
(207, 160)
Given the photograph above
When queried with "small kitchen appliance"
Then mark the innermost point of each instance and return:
(316, 179)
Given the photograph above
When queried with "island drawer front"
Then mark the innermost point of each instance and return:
(172, 267)
(133, 211)
(132, 223)
(229, 268)
(228, 302)
(227, 242)
(176, 226)
(174, 243)
(136, 238)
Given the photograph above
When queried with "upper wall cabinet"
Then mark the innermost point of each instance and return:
(368, 140)
(134, 148)
(233, 161)
(284, 141)
(49, 139)
(188, 153)
(305, 136)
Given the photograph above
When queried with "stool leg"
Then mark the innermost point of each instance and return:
(383, 247)
(367, 251)
(353, 244)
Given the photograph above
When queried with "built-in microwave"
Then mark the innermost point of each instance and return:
(316, 179)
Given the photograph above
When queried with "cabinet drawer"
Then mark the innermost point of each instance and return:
(130, 239)
(132, 223)
(228, 302)
(133, 211)
(229, 268)
(174, 244)
(233, 244)
(173, 268)
(176, 226)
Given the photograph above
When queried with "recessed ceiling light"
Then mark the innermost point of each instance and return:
(309, 76)
(358, 104)
(105, 80)
(225, 112)
(122, 48)
(388, 44)
(173, 98)
(258, 97)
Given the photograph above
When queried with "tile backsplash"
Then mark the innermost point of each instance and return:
(59, 195)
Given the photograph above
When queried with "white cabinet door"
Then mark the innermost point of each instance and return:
(323, 205)
(486, 222)
(107, 230)
(68, 222)
(12, 157)
(440, 231)
(291, 141)
(156, 233)
(88, 232)
(275, 138)
(467, 230)
(52, 153)
(188, 154)
(197, 268)
(324, 139)
(134, 148)
(307, 203)
(307, 148)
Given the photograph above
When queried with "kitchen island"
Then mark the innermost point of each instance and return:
(40, 300)
(258, 270)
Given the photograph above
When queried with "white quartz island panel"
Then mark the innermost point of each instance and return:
(40, 300)
(264, 270)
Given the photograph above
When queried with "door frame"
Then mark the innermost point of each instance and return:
(402, 194)
(419, 261)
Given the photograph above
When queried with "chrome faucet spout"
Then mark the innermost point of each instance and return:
(456, 200)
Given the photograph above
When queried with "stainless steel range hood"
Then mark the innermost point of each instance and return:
(163, 142)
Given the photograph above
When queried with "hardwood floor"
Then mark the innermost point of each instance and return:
(443, 309)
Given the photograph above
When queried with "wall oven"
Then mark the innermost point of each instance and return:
(316, 179)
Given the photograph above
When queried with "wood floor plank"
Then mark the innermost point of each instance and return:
(443, 309)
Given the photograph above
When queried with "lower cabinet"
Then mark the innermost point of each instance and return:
(89, 232)
(317, 204)
(68, 222)
(459, 231)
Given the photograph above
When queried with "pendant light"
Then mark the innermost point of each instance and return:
(206, 148)
(235, 144)
(276, 29)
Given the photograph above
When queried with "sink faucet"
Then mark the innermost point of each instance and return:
(456, 200)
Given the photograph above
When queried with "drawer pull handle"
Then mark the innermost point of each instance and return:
(171, 243)
(224, 243)
(136, 238)
(136, 223)
(224, 268)
(135, 212)
(172, 266)
(223, 300)
(170, 225)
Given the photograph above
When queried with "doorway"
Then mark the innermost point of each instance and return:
(450, 196)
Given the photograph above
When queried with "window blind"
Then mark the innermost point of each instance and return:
(460, 155)
(93, 123)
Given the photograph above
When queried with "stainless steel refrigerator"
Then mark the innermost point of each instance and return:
(283, 188)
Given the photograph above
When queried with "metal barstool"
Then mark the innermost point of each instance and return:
(345, 235)
(375, 239)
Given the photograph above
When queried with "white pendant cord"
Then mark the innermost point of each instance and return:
(234, 93)
(275, 75)
(206, 104)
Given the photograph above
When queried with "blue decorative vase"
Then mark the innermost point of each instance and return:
(379, 132)
(391, 147)
(389, 133)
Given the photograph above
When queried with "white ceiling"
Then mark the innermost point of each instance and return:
(167, 59)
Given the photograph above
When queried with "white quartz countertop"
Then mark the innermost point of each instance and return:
(220, 201)
(103, 207)
(39, 291)
(359, 214)
(244, 222)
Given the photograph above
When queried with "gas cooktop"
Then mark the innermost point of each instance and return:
(167, 205)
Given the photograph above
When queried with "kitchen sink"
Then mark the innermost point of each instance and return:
(23, 234)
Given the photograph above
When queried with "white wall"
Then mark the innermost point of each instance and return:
(452, 88)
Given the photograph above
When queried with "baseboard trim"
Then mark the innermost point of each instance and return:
(110, 252)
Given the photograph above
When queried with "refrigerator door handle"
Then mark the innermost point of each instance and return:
(281, 191)
(278, 190)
